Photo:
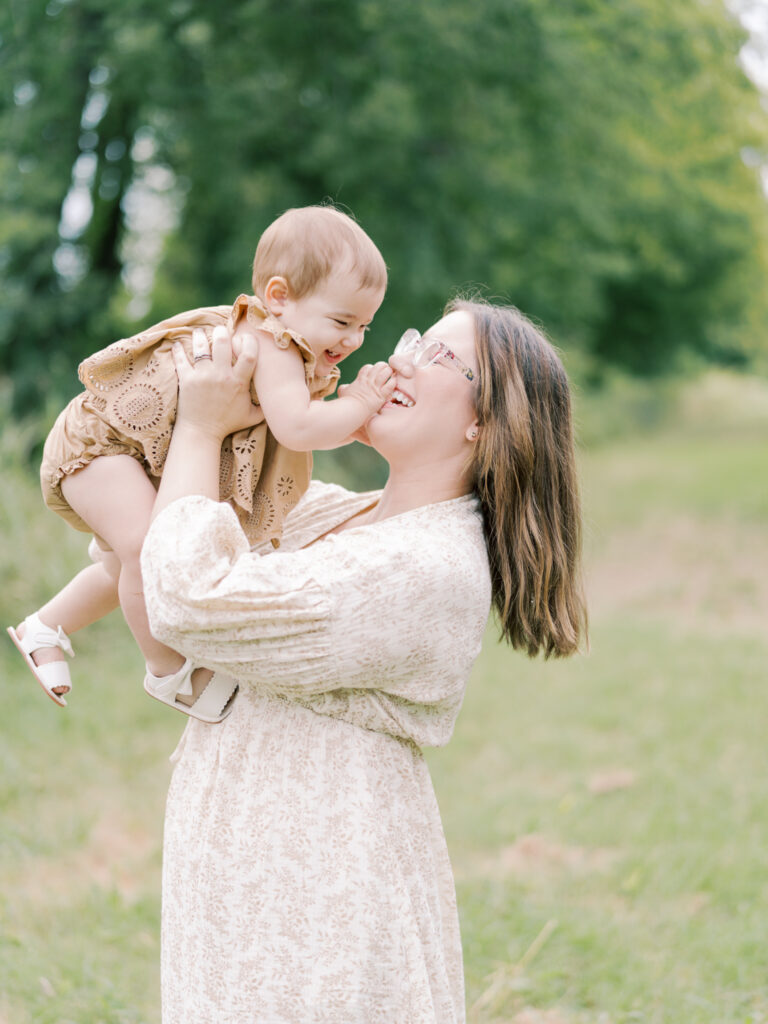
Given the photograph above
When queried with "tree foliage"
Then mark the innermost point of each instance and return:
(582, 160)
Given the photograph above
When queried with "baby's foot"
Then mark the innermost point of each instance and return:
(44, 656)
(42, 648)
(184, 685)
(200, 679)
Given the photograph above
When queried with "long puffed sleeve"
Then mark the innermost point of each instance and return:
(371, 625)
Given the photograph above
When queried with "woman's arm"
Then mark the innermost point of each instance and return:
(399, 607)
(371, 626)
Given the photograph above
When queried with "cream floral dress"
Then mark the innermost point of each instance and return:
(306, 878)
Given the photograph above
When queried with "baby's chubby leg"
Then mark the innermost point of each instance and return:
(114, 496)
(87, 597)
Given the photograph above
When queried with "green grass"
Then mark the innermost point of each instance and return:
(606, 816)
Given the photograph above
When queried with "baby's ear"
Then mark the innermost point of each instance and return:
(276, 295)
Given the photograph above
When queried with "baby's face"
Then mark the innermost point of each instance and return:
(334, 318)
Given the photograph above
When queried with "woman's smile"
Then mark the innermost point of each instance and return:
(400, 399)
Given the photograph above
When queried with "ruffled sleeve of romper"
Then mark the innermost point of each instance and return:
(257, 316)
(118, 366)
(378, 625)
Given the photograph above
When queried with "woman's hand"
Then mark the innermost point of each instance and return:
(214, 394)
(214, 400)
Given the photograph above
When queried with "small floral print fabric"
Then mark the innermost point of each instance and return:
(129, 407)
(306, 878)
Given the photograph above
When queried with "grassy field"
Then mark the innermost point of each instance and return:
(607, 817)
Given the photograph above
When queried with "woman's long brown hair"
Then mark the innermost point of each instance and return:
(524, 474)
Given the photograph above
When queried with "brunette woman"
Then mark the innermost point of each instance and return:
(306, 876)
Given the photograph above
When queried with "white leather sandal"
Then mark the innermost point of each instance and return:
(54, 673)
(212, 706)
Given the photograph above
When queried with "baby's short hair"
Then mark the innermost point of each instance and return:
(306, 244)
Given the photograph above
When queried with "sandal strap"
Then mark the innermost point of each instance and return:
(213, 699)
(212, 706)
(167, 687)
(54, 675)
(37, 635)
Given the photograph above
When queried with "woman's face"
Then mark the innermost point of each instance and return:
(437, 425)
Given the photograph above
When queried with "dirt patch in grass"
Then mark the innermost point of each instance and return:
(530, 1016)
(535, 855)
(116, 855)
(700, 575)
(610, 780)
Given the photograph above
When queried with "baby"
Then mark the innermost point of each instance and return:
(318, 280)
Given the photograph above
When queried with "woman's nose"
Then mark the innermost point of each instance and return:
(402, 364)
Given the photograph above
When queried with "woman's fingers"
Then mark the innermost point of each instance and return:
(200, 347)
(214, 395)
(221, 347)
(180, 360)
(247, 352)
(248, 357)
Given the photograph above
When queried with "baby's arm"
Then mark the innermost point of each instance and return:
(298, 422)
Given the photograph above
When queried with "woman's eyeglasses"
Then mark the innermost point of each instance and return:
(425, 351)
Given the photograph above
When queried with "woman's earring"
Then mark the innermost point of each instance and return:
(472, 434)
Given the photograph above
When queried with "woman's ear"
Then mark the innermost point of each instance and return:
(473, 431)
(276, 295)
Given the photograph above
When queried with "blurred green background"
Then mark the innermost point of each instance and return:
(596, 164)
(599, 165)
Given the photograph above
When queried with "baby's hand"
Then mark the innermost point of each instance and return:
(372, 387)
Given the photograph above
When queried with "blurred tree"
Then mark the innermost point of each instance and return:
(582, 160)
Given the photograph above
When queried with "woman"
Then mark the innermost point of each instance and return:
(306, 877)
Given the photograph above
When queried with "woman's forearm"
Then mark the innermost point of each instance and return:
(191, 466)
